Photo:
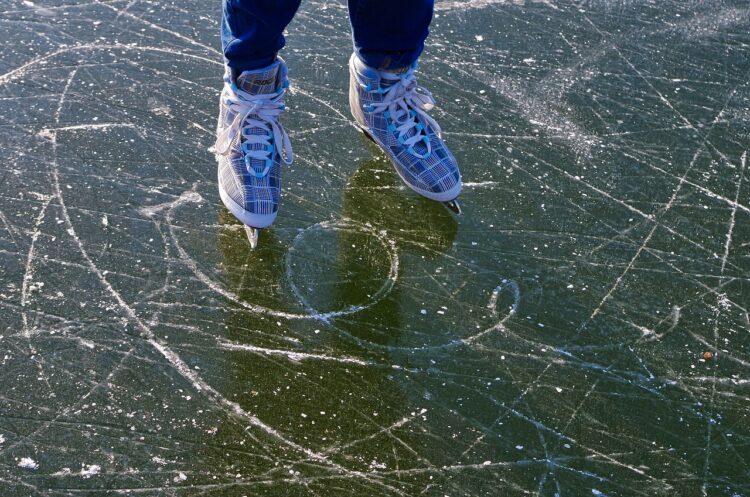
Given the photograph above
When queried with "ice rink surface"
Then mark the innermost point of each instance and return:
(581, 330)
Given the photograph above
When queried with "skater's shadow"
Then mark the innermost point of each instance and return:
(334, 265)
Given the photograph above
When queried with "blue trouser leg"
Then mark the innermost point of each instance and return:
(390, 34)
(251, 31)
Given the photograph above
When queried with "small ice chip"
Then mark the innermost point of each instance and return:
(487, 463)
(519, 447)
(423, 311)
(479, 38)
(89, 471)
(28, 463)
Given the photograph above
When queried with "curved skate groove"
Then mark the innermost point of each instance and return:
(346, 225)
(458, 342)
(192, 196)
(492, 306)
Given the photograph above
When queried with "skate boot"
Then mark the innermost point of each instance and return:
(251, 145)
(391, 109)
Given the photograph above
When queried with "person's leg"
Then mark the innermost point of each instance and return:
(389, 105)
(251, 145)
(251, 31)
(390, 34)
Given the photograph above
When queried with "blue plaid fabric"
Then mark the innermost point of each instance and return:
(251, 187)
(427, 166)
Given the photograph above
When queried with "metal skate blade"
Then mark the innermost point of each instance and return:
(252, 236)
(368, 135)
(454, 206)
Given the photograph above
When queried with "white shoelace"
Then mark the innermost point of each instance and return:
(406, 100)
(265, 110)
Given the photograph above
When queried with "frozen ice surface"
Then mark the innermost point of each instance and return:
(581, 330)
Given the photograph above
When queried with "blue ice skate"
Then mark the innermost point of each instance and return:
(392, 110)
(252, 145)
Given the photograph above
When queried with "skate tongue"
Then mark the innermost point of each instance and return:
(389, 78)
(263, 81)
(393, 75)
(260, 81)
(386, 79)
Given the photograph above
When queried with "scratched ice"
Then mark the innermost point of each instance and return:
(581, 330)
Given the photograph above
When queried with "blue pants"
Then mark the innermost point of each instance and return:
(388, 34)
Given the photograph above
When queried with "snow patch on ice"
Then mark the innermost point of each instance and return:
(28, 463)
(87, 471)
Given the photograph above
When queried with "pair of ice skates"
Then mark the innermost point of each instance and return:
(389, 107)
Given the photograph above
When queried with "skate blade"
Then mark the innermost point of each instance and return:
(252, 236)
(454, 206)
(368, 135)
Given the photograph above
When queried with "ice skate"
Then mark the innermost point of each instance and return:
(391, 109)
(252, 146)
